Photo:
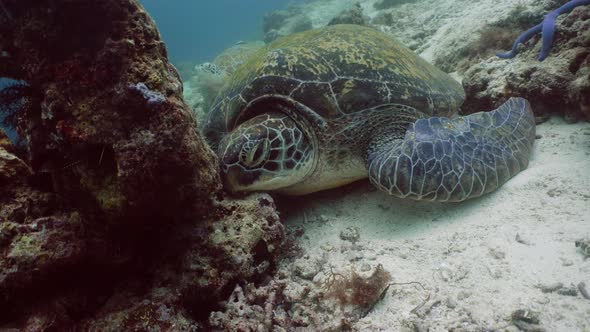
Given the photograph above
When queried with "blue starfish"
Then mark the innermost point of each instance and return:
(547, 29)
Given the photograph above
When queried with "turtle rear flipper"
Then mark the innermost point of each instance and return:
(443, 159)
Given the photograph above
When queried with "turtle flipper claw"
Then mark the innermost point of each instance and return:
(443, 159)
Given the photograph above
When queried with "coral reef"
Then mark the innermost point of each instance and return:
(113, 218)
(190, 277)
(109, 123)
(314, 14)
(295, 24)
(560, 83)
(492, 37)
(437, 31)
(40, 238)
(547, 27)
(61, 269)
(274, 20)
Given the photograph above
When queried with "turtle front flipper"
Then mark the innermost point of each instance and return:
(443, 159)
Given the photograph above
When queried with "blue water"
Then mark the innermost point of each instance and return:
(9, 131)
(198, 30)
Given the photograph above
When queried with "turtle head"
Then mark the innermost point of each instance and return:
(267, 152)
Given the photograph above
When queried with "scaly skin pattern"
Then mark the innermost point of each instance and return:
(547, 29)
(442, 159)
(288, 152)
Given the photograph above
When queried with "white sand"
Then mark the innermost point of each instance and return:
(465, 254)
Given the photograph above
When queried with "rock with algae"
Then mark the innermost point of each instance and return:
(560, 84)
(132, 154)
(61, 270)
(116, 221)
(186, 281)
(40, 238)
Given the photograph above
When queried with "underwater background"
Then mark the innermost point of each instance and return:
(115, 215)
(198, 30)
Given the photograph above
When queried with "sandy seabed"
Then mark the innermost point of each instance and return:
(476, 262)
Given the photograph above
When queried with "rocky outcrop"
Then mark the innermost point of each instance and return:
(60, 269)
(113, 219)
(195, 268)
(40, 237)
(108, 121)
(445, 33)
(560, 83)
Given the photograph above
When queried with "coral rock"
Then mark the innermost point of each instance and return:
(560, 84)
(117, 221)
(12, 169)
(39, 239)
(291, 303)
(109, 125)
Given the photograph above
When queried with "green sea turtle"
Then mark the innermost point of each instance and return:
(325, 107)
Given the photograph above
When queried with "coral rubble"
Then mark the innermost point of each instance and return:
(324, 301)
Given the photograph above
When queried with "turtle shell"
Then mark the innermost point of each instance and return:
(331, 72)
(230, 59)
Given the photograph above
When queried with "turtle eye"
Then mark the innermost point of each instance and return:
(253, 154)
